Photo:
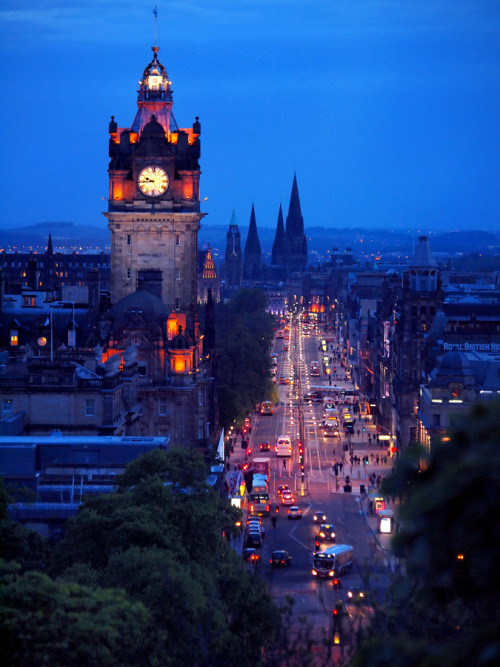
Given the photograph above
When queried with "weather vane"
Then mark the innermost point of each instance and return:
(155, 12)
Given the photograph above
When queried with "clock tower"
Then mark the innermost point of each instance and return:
(154, 199)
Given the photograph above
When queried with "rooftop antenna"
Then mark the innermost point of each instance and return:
(155, 12)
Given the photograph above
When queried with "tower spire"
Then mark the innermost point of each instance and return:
(155, 12)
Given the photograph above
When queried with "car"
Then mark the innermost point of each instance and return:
(254, 539)
(284, 379)
(281, 489)
(285, 348)
(265, 446)
(253, 526)
(280, 558)
(295, 512)
(355, 595)
(254, 519)
(309, 397)
(319, 517)
(287, 500)
(251, 555)
(326, 533)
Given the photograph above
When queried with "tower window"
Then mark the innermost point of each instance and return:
(177, 274)
(128, 274)
(90, 407)
(177, 240)
(129, 239)
(177, 304)
(162, 406)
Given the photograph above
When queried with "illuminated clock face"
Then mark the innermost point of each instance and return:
(153, 181)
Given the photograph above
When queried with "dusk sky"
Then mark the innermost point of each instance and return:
(388, 111)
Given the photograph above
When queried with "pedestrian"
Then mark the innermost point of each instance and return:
(284, 464)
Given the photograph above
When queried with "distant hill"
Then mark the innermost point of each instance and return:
(66, 236)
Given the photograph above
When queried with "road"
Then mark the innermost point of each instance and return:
(313, 599)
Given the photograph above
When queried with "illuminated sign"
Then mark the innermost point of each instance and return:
(472, 347)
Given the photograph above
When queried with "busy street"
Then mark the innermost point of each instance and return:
(336, 476)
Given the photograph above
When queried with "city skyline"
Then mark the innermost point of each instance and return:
(386, 112)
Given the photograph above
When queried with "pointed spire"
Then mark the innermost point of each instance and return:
(50, 250)
(278, 251)
(234, 219)
(296, 243)
(252, 252)
(294, 219)
(253, 244)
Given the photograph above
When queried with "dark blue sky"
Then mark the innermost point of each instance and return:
(387, 110)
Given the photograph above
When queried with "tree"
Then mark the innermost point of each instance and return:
(244, 336)
(179, 466)
(59, 623)
(27, 547)
(445, 610)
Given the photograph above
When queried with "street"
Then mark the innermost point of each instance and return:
(314, 599)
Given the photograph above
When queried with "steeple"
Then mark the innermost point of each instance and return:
(423, 271)
(209, 266)
(252, 253)
(154, 97)
(296, 243)
(294, 219)
(278, 252)
(232, 266)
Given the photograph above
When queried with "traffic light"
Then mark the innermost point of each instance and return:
(337, 613)
(301, 448)
(337, 584)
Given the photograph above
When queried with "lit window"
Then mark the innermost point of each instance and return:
(14, 338)
(90, 407)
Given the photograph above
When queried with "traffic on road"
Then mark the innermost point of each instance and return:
(314, 465)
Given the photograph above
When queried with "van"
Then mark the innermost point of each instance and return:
(283, 446)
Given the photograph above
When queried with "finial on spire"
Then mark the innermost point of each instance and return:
(155, 12)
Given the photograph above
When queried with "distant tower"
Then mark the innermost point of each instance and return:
(48, 273)
(233, 264)
(296, 243)
(154, 198)
(209, 280)
(252, 263)
(278, 254)
(421, 298)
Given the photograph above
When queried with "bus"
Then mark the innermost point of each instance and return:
(266, 408)
(333, 561)
(283, 446)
